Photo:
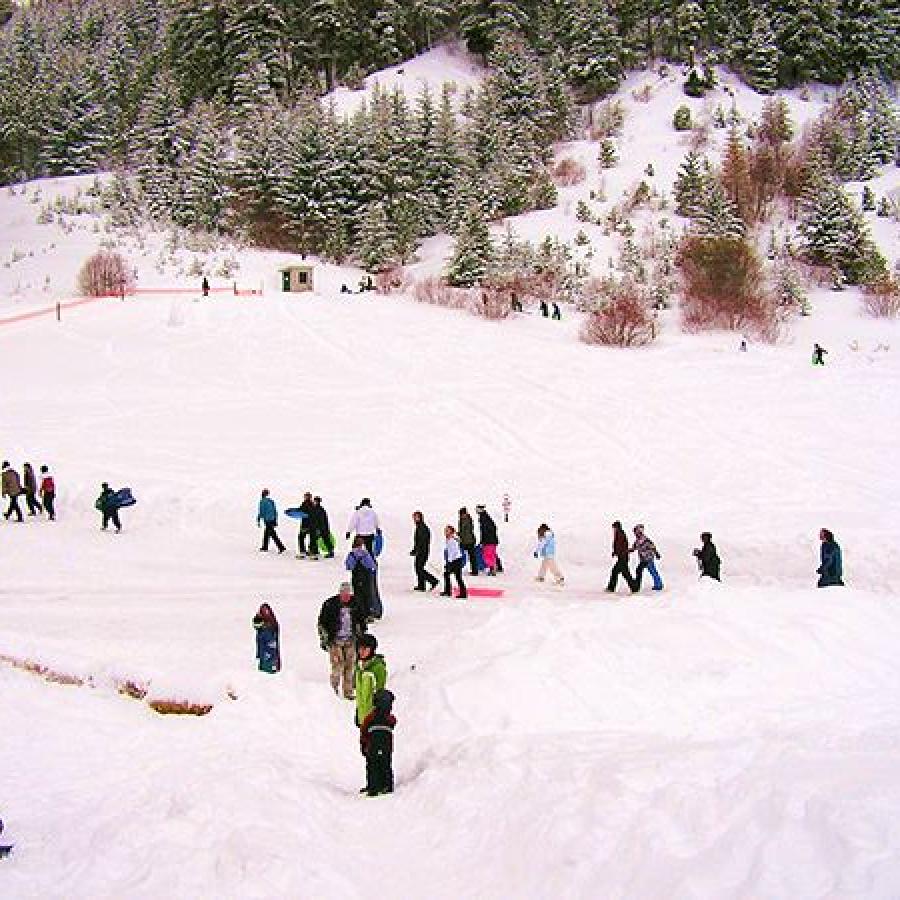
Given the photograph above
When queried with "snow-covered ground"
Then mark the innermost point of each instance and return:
(734, 740)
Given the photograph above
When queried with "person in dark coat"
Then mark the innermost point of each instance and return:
(707, 557)
(308, 529)
(620, 552)
(268, 650)
(489, 539)
(48, 493)
(30, 488)
(376, 741)
(466, 536)
(545, 310)
(320, 516)
(420, 551)
(831, 570)
(204, 286)
(268, 516)
(818, 358)
(362, 568)
(106, 503)
(12, 487)
(342, 620)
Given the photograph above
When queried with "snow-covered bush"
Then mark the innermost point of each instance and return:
(881, 299)
(583, 212)
(607, 119)
(694, 85)
(568, 171)
(105, 274)
(681, 121)
(607, 155)
(624, 321)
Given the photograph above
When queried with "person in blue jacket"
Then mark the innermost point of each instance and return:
(268, 651)
(831, 570)
(268, 516)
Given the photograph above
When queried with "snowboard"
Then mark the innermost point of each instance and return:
(123, 497)
(482, 593)
(323, 546)
(378, 544)
(294, 512)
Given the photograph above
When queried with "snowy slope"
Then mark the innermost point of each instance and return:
(733, 740)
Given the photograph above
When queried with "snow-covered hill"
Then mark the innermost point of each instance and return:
(733, 740)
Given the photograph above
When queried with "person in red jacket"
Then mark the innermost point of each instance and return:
(48, 493)
(620, 551)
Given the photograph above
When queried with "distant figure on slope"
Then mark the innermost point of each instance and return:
(466, 539)
(12, 487)
(30, 488)
(109, 510)
(557, 314)
(545, 310)
(420, 553)
(364, 523)
(707, 557)
(370, 676)
(268, 516)
(205, 286)
(453, 563)
(376, 741)
(48, 493)
(743, 346)
(362, 568)
(546, 552)
(620, 553)
(489, 539)
(831, 570)
(320, 518)
(647, 556)
(818, 357)
(342, 621)
(268, 651)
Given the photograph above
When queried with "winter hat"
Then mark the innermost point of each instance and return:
(368, 640)
(383, 700)
(365, 502)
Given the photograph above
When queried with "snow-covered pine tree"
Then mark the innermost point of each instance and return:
(427, 17)
(868, 35)
(717, 216)
(594, 54)
(332, 24)
(205, 194)
(442, 164)
(473, 251)
(257, 30)
(197, 47)
(761, 58)
(376, 243)
(690, 184)
(809, 41)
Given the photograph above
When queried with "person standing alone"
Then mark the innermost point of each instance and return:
(420, 551)
(267, 515)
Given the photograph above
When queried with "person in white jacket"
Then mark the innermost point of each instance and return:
(453, 564)
(546, 552)
(364, 523)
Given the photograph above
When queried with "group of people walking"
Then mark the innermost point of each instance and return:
(27, 485)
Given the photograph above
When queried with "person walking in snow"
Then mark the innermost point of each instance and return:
(467, 539)
(376, 741)
(342, 621)
(30, 488)
(108, 508)
(546, 552)
(420, 552)
(364, 523)
(307, 529)
(647, 556)
(369, 677)
(320, 518)
(12, 487)
(620, 552)
(831, 568)
(362, 568)
(707, 557)
(48, 493)
(267, 515)
(268, 650)
(489, 539)
(453, 563)
(204, 286)
(818, 357)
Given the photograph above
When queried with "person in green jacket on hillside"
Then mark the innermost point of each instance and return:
(371, 675)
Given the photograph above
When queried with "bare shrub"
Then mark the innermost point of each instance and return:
(568, 171)
(700, 135)
(724, 286)
(881, 298)
(389, 280)
(607, 119)
(435, 291)
(624, 321)
(495, 302)
(105, 274)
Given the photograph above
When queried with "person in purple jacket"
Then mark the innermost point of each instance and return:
(363, 572)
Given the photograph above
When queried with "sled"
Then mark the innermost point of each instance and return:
(122, 497)
(378, 545)
(323, 546)
(294, 512)
(482, 593)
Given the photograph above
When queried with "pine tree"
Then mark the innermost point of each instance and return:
(594, 52)
(473, 251)
(205, 194)
(690, 184)
(717, 216)
(761, 59)
(197, 47)
(736, 176)
(809, 41)
(376, 244)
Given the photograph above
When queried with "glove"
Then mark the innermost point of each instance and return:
(347, 536)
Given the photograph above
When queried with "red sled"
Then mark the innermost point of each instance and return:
(482, 592)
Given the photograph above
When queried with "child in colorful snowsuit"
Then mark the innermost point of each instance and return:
(546, 552)
(370, 676)
(376, 741)
(48, 493)
(268, 651)
(647, 556)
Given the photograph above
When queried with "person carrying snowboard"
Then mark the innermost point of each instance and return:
(647, 556)
(268, 650)
(546, 552)
(30, 488)
(453, 564)
(831, 570)
(466, 538)
(420, 552)
(267, 515)
(320, 519)
(109, 510)
(489, 539)
(376, 741)
(362, 568)
(364, 523)
(12, 487)
(707, 557)
(342, 621)
(620, 551)
(370, 676)
(48, 493)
